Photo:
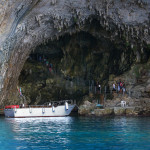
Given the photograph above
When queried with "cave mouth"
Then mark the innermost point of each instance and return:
(72, 66)
(69, 68)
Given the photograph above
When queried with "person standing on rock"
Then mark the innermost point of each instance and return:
(40, 58)
(114, 87)
(118, 87)
(124, 89)
(47, 63)
(99, 86)
(50, 68)
(121, 85)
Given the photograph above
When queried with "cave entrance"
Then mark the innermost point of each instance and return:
(60, 69)
(72, 66)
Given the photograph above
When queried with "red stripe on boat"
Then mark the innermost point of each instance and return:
(11, 106)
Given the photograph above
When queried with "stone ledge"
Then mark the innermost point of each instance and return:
(118, 111)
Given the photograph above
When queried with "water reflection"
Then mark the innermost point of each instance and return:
(77, 133)
(41, 130)
(51, 125)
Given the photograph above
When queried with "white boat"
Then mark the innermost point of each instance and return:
(51, 109)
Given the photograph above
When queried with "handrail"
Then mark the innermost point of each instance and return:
(50, 104)
(62, 101)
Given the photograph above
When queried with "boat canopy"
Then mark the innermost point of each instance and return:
(11, 106)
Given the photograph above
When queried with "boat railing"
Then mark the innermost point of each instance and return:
(51, 103)
(62, 102)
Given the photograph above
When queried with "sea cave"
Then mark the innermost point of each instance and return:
(55, 50)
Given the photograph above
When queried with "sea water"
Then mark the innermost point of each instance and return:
(75, 133)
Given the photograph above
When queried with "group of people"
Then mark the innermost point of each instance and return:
(119, 87)
(43, 60)
(46, 62)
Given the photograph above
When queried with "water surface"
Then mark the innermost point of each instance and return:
(115, 133)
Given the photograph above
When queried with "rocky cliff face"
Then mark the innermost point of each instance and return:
(118, 29)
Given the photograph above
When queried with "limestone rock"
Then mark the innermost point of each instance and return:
(86, 108)
(103, 112)
(113, 103)
(148, 81)
(119, 110)
(147, 89)
(130, 111)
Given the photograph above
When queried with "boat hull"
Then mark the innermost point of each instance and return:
(58, 111)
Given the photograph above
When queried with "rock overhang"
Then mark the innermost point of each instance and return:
(31, 23)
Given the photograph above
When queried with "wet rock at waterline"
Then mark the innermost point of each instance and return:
(90, 109)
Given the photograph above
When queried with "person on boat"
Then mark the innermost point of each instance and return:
(22, 106)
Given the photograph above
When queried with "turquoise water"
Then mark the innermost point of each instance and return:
(117, 133)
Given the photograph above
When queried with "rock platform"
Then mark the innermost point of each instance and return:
(89, 109)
